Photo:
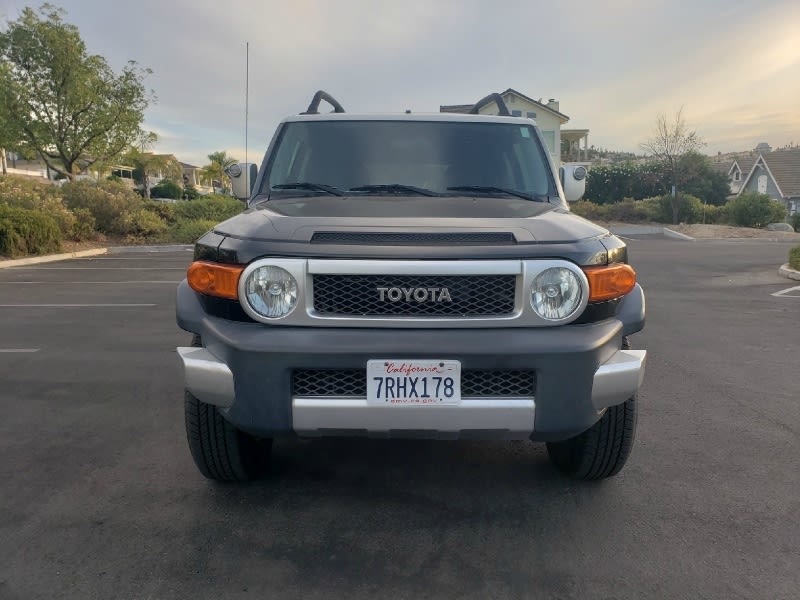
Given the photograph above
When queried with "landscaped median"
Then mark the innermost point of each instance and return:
(38, 218)
(792, 268)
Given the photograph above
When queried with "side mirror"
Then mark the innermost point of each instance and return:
(573, 180)
(242, 176)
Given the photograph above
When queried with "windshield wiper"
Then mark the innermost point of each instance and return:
(307, 185)
(496, 190)
(394, 188)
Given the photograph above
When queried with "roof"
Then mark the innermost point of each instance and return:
(187, 166)
(463, 108)
(784, 167)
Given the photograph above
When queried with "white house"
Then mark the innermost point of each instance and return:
(547, 115)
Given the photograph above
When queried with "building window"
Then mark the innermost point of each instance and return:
(516, 113)
(737, 175)
(762, 184)
(530, 115)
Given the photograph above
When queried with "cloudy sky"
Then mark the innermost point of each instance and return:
(614, 65)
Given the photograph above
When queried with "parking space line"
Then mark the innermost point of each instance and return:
(18, 350)
(787, 292)
(76, 305)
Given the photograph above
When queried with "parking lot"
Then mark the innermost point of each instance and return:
(99, 497)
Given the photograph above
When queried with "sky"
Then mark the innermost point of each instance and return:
(614, 65)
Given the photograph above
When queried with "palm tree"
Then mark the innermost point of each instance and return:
(146, 165)
(215, 170)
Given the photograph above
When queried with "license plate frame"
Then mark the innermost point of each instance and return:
(419, 380)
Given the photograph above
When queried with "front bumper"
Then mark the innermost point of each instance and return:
(246, 370)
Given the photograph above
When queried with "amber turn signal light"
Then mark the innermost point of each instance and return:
(607, 283)
(213, 279)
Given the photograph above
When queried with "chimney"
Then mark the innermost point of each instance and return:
(552, 103)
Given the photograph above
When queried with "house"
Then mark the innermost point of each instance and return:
(777, 174)
(548, 116)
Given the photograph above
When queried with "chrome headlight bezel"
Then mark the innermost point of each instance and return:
(294, 268)
(581, 286)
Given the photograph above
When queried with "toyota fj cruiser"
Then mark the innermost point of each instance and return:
(410, 275)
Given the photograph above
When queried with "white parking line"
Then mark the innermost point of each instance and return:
(18, 350)
(76, 305)
(787, 291)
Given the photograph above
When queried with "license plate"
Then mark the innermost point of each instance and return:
(413, 382)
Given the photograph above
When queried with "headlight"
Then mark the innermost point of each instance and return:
(556, 293)
(271, 291)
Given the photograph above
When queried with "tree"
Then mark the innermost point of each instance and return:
(670, 143)
(146, 164)
(698, 178)
(68, 106)
(215, 170)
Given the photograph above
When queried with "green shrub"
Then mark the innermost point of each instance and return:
(24, 231)
(589, 210)
(795, 221)
(84, 227)
(167, 188)
(690, 209)
(107, 201)
(627, 211)
(165, 210)
(190, 192)
(794, 258)
(212, 208)
(187, 232)
(752, 209)
(138, 224)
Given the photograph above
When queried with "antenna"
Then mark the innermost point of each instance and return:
(246, 111)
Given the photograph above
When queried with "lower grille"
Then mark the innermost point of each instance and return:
(352, 383)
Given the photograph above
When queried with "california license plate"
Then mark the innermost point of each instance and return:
(413, 382)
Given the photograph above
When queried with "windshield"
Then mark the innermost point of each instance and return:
(407, 157)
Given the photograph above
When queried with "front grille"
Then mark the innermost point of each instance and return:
(475, 383)
(359, 295)
(419, 238)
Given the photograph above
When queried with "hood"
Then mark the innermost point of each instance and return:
(297, 219)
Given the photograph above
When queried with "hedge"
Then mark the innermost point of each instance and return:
(794, 258)
(24, 231)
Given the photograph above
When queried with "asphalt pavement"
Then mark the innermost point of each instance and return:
(99, 497)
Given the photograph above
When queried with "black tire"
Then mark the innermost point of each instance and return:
(220, 450)
(602, 450)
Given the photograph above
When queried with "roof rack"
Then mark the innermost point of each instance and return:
(497, 99)
(313, 108)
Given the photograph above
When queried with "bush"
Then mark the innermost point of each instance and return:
(84, 227)
(589, 210)
(24, 231)
(165, 210)
(627, 211)
(211, 208)
(190, 192)
(187, 232)
(795, 221)
(794, 258)
(752, 209)
(690, 209)
(107, 201)
(167, 189)
(139, 223)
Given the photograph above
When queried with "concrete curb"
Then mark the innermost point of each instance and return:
(788, 272)
(35, 260)
(164, 248)
(677, 235)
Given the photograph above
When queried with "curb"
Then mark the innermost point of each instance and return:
(164, 248)
(677, 235)
(786, 271)
(35, 260)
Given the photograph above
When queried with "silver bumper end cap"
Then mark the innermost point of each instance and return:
(618, 379)
(206, 377)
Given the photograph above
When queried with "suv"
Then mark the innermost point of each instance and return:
(410, 275)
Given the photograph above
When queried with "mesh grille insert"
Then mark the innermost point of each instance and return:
(360, 295)
(353, 383)
(401, 237)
